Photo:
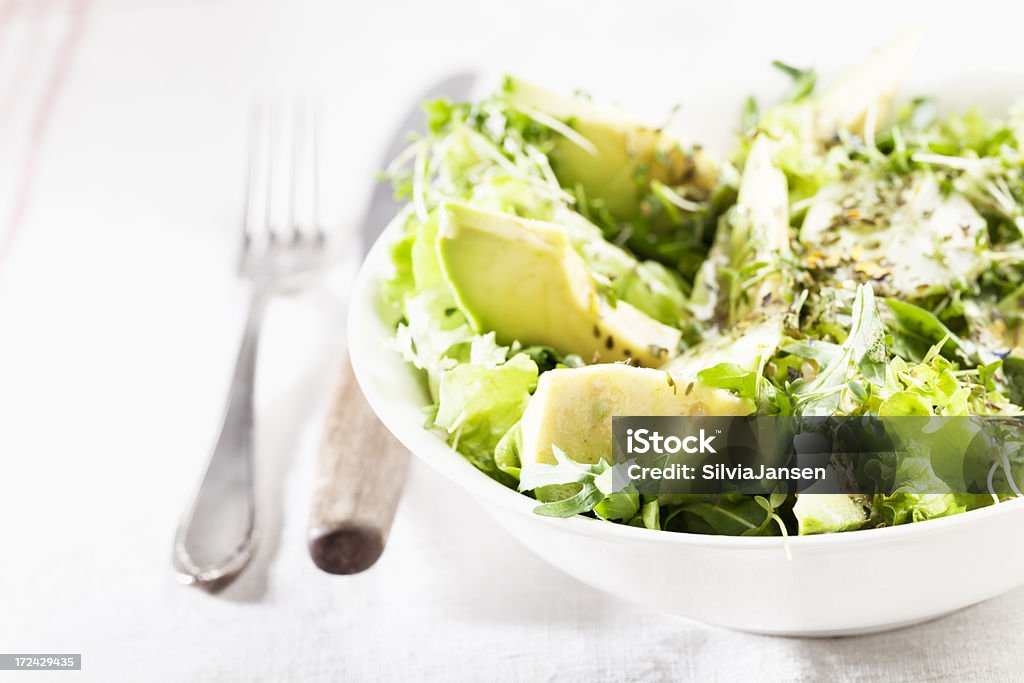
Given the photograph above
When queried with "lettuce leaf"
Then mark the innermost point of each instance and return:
(479, 403)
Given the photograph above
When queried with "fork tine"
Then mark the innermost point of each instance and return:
(273, 153)
(303, 214)
(318, 227)
(281, 229)
(256, 114)
(298, 130)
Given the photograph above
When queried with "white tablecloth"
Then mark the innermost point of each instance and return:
(121, 139)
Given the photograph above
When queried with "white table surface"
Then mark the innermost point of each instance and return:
(121, 129)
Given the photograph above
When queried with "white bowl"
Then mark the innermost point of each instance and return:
(837, 584)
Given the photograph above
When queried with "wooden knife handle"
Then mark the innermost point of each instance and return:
(360, 475)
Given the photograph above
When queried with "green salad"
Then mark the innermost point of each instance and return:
(561, 263)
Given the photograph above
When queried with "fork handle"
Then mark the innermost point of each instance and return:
(361, 472)
(218, 532)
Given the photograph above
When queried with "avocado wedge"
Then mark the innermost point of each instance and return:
(865, 95)
(754, 239)
(573, 407)
(610, 155)
(524, 280)
(828, 513)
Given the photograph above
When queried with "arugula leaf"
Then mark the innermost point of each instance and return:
(749, 117)
(821, 352)
(904, 508)
(915, 331)
(585, 485)
(750, 384)
(987, 374)
(547, 358)
(584, 501)
(732, 377)
(619, 506)
(804, 81)
(731, 515)
(1013, 371)
(864, 349)
(867, 337)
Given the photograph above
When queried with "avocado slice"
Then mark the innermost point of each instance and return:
(522, 279)
(755, 239)
(764, 201)
(609, 154)
(929, 240)
(746, 345)
(868, 91)
(823, 513)
(573, 408)
(761, 232)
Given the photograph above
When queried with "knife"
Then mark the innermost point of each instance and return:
(361, 468)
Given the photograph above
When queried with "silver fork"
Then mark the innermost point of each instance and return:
(217, 535)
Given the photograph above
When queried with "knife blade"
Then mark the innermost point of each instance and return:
(383, 206)
(361, 467)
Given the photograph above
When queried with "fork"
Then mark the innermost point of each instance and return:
(217, 535)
